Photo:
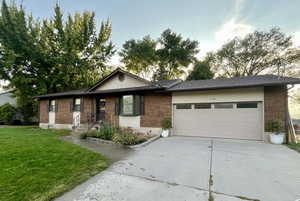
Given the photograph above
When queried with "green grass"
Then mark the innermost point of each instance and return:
(35, 165)
(294, 146)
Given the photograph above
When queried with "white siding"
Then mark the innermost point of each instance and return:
(227, 95)
(115, 83)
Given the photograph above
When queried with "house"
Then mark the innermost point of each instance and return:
(226, 108)
(6, 97)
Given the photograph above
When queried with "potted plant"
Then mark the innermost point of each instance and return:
(274, 127)
(166, 126)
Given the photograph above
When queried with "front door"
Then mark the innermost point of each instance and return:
(100, 109)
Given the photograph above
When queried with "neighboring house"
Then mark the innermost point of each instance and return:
(6, 97)
(227, 108)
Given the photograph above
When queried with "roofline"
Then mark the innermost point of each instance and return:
(6, 92)
(229, 87)
(115, 72)
(111, 91)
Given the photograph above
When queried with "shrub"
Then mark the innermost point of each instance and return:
(106, 132)
(7, 113)
(274, 126)
(83, 135)
(127, 136)
(166, 123)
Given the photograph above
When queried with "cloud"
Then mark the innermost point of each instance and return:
(231, 29)
(296, 39)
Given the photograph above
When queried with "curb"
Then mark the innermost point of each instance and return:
(145, 143)
(100, 140)
(132, 146)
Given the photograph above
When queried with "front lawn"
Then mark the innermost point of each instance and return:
(37, 166)
(294, 146)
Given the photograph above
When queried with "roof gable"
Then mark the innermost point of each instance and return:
(119, 79)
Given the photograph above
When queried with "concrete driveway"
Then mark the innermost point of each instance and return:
(198, 169)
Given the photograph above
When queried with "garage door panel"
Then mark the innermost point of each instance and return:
(244, 123)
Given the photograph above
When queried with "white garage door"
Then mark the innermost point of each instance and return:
(224, 120)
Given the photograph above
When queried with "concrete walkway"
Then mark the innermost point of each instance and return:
(197, 169)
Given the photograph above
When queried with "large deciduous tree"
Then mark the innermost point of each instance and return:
(165, 58)
(259, 52)
(52, 55)
(201, 71)
(139, 56)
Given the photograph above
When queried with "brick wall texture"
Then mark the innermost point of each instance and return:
(43, 110)
(110, 115)
(88, 109)
(275, 103)
(63, 114)
(157, 107)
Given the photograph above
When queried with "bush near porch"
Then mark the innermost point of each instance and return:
(123, 136)
(36, 165)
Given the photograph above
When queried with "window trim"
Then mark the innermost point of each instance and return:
(138, 105)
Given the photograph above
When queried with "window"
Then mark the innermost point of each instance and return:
(224, 106)
(246, 105)
(102, 104)
(130, 105)
(77, 103)
(52, 106)
(183, 106)
(127, 103)
(202, 106)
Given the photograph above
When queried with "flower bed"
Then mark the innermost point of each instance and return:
(122, 136)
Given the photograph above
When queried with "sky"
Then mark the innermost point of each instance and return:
(211, 22)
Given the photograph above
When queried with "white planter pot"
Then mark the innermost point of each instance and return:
(277, 138)
(165, 133)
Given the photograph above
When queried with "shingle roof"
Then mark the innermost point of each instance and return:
(82, 92)
(65, 93)
(193, 85)
(236, 82)
(167, 83)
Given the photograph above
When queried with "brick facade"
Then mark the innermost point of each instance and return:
(88, 110)
(64, 114)
(275, 107)
(110, 115)
(157, 107)
(43, 110)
